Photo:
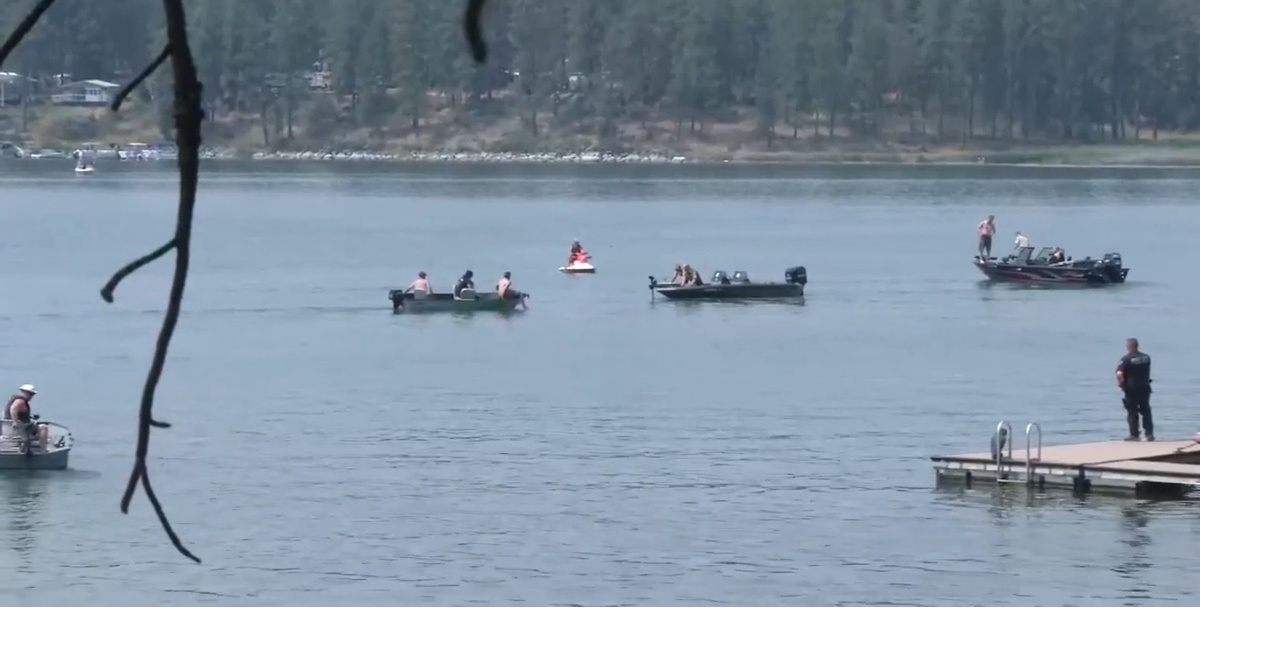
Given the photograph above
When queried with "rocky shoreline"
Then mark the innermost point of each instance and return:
(1116, 157)
(468, 157)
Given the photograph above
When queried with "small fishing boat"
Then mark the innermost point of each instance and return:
(468, 301)
(84, 167)
(738, 286)
(23, 454)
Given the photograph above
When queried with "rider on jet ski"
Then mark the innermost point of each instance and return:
(577, 254)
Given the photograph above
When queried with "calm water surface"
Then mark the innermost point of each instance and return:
(601, 449)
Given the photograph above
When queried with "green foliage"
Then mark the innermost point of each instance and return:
(1086, 70)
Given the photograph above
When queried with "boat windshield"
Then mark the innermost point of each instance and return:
(1023, 255)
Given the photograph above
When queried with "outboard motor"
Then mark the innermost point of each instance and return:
(397, 299)
(796, 275)
(740, 277)
(720, 278)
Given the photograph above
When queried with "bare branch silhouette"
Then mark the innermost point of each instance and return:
(472, 29)
(188, 115)
(28, 22)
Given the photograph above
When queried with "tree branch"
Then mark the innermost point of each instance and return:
(29, 22)
(472, 29)
(118, 100)
(188, 115)
(109, 289)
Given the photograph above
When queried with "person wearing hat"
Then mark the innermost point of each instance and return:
(18, 413)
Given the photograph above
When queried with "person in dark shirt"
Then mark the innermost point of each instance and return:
(1133, 375)
(465, 282)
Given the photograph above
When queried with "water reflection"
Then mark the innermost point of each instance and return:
(727, 304)
(1136, 564)
(22, 493)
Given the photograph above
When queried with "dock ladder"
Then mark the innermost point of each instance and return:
(1001, 440)
(1002, 452)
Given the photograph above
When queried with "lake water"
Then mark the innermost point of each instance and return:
(601, 448)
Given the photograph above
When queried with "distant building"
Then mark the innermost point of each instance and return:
(11, 88)
(89, 92)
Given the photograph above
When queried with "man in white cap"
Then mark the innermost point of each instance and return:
(18, 413)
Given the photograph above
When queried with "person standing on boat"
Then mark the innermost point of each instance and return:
(1133, 375)
(18, 413)
(1020, 241)
(986, 231)
(421, 284)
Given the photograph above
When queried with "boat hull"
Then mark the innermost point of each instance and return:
(738, 287)
(12, 459)
(406, 302)
(1043, 275)
(578, 269)
(755, 290)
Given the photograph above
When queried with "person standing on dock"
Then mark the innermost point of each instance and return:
(1133, 375)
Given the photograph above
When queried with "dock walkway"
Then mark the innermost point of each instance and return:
(1146, 467)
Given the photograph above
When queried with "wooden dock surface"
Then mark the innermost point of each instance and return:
(1107, 464)
(1099, 452)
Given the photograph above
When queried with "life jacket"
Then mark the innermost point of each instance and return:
(25, 416)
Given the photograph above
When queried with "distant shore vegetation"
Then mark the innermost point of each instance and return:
(1004, 81)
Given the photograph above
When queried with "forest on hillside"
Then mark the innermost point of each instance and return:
(1045, 70)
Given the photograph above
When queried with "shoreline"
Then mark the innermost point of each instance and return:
(1115, 157)
(1121, 156)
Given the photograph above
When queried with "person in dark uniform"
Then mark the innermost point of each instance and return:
(1133, 375)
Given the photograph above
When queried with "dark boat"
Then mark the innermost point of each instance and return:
(1022, 267)
(737, 286)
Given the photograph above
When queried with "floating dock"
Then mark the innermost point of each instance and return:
(1133, 467)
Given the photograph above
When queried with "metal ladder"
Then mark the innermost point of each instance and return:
(1002, 452)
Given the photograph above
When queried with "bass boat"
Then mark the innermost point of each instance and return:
(737, 286)
(1022, 267)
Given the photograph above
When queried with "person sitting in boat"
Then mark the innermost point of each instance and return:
(421, 284)
(465, 282)
(691, 276)
(1057, 256)
(504, 287)
(577, 255)
(678, 278)
(17, 414)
